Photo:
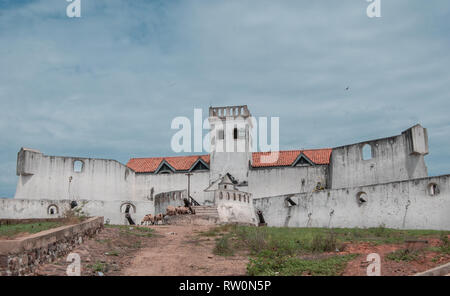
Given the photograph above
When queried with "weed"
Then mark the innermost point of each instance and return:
(98, 266)
(267, 264)
(403, 255)
(223, 246)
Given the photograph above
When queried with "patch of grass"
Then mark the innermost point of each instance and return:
(403, 255)
(223, 246)
(98, 266)
(278, 250)
(10, 231)
(112, 253)
(270, 264)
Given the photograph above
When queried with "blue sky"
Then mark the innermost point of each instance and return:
(108, 84)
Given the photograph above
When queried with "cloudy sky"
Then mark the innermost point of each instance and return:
(108, 84)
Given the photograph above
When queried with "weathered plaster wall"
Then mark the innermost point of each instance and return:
(236, 211)
(286, 180)
(112, 211)
(403, 205)
(148, 183)
(172, 198)
(53, 177)
(393, 159)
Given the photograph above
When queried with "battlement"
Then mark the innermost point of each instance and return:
(229, 111)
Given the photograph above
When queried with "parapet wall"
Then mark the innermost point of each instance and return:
(235, 207)
(414, 204)
(21, 256)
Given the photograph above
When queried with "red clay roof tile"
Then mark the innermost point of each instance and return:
(184, 163)
(179, 163)
(287, 158)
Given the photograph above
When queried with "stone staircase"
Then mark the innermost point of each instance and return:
(209, 211)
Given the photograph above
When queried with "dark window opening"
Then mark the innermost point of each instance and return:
(200, 167)
(235, 133)
(165, 169)
(290, 201)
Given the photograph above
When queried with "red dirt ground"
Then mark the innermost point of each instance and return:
(358, 266)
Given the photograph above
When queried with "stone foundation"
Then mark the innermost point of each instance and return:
(21, 256)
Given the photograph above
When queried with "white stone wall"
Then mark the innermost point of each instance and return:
(393, 160)
(112, 211)
(232, 209)
(402, 205)
(53, 177)
(285, 180)
(172, 182)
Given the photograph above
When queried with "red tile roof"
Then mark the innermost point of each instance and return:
(287, 158)
(184, 163)
(179, 163)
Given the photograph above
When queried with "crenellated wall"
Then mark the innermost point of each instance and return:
(412, 204)
(235, 207)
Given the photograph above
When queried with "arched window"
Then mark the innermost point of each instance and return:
(52, 210)
(367, 152)
(78, 166)
(234, 196)
(433, 189)
(220, 195)
(228, 196)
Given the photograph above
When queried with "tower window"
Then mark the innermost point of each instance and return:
(235, 133)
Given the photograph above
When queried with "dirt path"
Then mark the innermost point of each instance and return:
(179, 250)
